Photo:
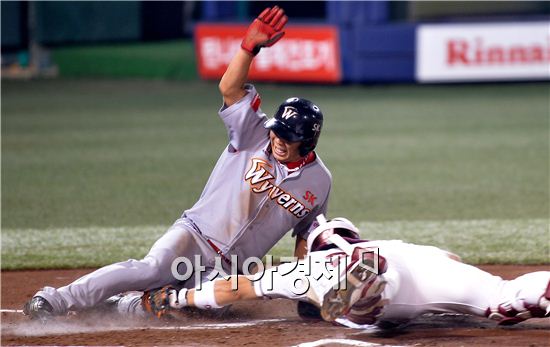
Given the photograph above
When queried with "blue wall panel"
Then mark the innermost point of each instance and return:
(387, 38)
(386, 69)
(384, 53)
(357, 12)
(347, 48)
(373, 49)
(219, 11)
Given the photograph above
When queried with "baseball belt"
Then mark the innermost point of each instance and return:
(210, 243)
(218, 251)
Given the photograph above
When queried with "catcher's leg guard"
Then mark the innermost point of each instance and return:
(522, 307)
(360, 282)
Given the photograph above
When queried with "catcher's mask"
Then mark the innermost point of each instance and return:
(318, 239)
(296, 120)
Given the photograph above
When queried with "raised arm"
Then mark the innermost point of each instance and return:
(233, 80)
(264, 31)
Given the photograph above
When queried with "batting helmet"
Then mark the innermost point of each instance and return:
(318, 239)
(296, 120)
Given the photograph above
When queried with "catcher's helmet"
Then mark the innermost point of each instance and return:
(318, 239)
(296, 120)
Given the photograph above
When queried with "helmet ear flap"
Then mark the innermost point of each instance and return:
(306, 147)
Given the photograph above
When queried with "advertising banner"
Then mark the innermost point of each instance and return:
(483, 52)
(304, 54)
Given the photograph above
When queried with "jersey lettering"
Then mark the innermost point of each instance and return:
(264, 187)
(310, 197)
(290, 202)
(297, 208)
(258, 172)
(261, 181)
(283, 199)
(276, 192)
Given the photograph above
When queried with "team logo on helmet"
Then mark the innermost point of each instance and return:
(316, 127)
(288, 112)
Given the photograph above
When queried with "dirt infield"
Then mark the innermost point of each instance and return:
(267, 323)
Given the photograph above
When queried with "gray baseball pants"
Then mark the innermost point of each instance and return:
(153, 271)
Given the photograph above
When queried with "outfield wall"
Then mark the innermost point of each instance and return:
(458, 52)
(330, 42)
(375, 48)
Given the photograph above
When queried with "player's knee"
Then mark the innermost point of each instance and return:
(160, 269)
(148, 271)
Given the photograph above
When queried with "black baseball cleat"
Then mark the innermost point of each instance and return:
(308, 311)
(38, 308)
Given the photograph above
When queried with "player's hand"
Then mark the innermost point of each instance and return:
(265, 31)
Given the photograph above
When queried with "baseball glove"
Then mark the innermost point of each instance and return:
(157, 301)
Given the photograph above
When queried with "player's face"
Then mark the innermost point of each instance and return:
(284, 151)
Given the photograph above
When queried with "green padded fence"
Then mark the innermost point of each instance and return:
(164, 60)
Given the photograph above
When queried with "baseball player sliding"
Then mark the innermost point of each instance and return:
(267, 181)
(385, 283)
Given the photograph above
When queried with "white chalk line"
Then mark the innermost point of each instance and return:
(348, 342)
(192, 327)
(5, 310)
(218, 325)
(68, 328)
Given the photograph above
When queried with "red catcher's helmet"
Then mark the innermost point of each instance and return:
(318, 239)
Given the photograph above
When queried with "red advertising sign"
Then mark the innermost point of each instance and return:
(304, 54)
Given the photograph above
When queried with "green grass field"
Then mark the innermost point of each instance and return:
(93, 171)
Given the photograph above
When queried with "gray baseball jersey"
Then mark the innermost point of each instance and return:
(251, 200)
(248, 204)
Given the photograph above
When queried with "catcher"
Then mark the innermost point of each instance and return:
(383, 283)
(267, 181)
